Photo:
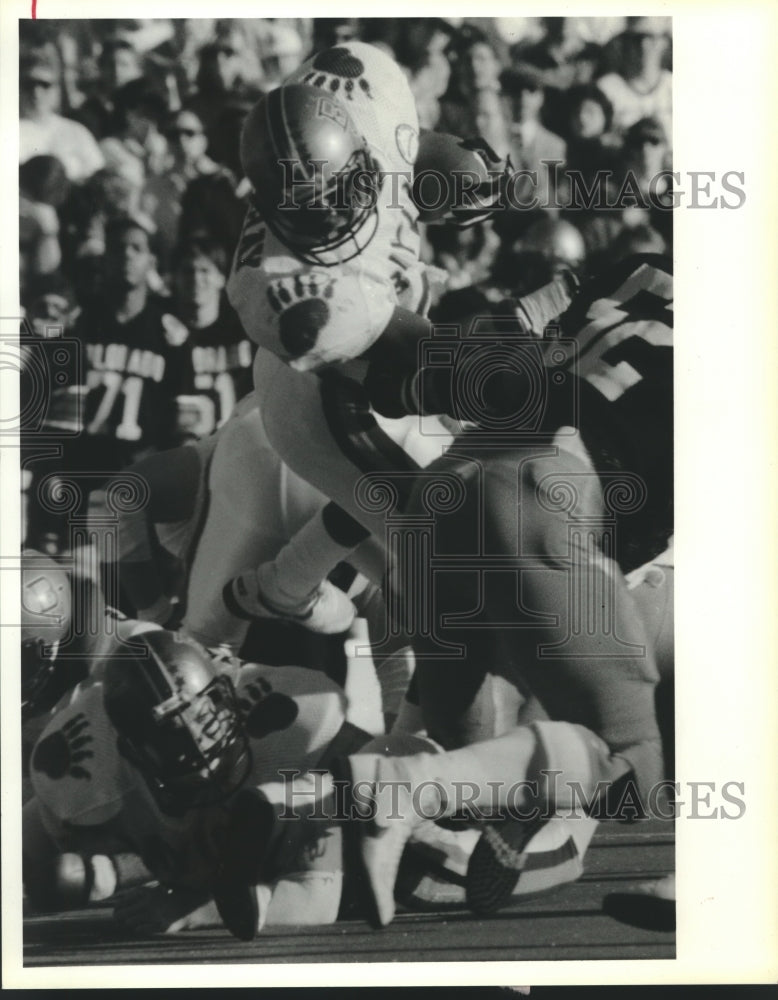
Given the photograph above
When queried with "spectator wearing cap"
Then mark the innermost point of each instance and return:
(119, 63)
(642, 86)
(135, 142)
(44, 132)
(533, 147)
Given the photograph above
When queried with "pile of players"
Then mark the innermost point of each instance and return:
(493, 499)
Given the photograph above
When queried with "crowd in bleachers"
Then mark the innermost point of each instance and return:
(132, 194)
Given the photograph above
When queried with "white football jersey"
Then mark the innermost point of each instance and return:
(85, 786)
(311, 315)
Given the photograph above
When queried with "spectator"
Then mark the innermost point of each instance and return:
(222, 77)
(590, 148)
(211, 205)
(187, 160)
(43, 188)
(280, 53)
(644, 160)
(50, 305)
(421, 48)
(475, 80)
(533, 147)
(135, 142)
(217, 357)
(118, 64)
(642, 86)
(44, 132)
(329, 31)
(129, 339)
(641, 238)
(560, 60)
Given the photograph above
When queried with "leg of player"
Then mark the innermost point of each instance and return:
(294, 584)
(556, 621)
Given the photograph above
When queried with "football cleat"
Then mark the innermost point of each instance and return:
(496, 864)
(433, 873)
(650, 905)
(328, 611)
(239, 909)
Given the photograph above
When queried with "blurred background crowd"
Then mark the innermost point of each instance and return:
(132, 195)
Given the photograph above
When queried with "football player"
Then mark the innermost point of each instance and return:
(532, 600)
(326, 272)
(327, 278)
(135, 778)
(192, 770)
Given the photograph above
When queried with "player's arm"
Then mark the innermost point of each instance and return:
(58, 877)
(398, 384)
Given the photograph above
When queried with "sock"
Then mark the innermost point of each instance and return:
(326, 540)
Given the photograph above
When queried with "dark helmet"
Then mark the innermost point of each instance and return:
(46, 617)
(315, 181)
(178, 721)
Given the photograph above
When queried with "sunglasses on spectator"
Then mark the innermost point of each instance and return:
(187, 133)
(33, 82)
(225, 50)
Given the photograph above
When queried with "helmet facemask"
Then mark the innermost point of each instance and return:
(319, 216)
(189, 744)
(204, 755)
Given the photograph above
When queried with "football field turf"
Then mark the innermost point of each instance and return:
(590, 919)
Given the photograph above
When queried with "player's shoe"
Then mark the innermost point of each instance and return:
(242, 847)
(497, 862)
(328, 611)
(650, 905)
(433, 873)
(239, 910)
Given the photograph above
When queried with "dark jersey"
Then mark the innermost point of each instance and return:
(605, 369)
(622, 324)
(131, 374)
(215, 372)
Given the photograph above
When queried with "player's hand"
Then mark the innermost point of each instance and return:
(157, 910)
